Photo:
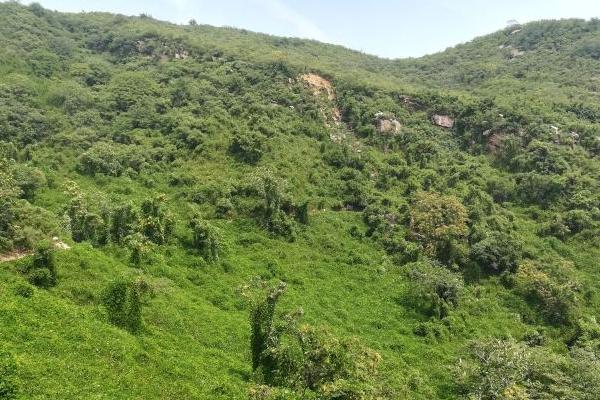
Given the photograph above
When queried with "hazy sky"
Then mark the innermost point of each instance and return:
(388, 28)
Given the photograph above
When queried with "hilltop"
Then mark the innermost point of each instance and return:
(211, 213)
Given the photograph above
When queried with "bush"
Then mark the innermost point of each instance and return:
(42, 272)
(156, 223)
(123, 222)
(497, 370)
(555, 297)
(435, 288)
(248, 147)
(206, 238)
(101, 158)
(306, 360)
(8, 375)
(271, 190)
(122, 300)
(497, 252)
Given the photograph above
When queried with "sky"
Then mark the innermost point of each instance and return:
(387, 28)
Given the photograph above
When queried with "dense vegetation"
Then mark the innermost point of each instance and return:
(198, 212)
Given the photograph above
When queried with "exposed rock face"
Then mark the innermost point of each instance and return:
(321, 86)
(514, 53)
(443, 120)
(387, 124)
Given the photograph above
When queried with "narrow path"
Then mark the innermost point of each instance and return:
(18, 254)
(14, 255)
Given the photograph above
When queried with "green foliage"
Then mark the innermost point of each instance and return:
(101, 158)
(248, 146)
(122, 301)
(156, 224)
(499, 370)
(435, 288)
(262, 314)
(440, 223)
(42, 272)
(119, 109)
(206, 238)
(271, 189)
(306, 359)
(9, 191)
(8, 374)
(555, 297)
(496, 253)
(123, 222)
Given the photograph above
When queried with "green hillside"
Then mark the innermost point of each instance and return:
(190, 212)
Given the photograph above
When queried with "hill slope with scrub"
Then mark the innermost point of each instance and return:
(211, 213)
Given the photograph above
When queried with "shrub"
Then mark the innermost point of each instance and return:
(101, 158)
(497, 370)
(122, 300)
(139, 246)
(555, 297)
(206, 238)
(271, 190)
(539, 189)
(29, 180)
(248, 147)
(308, 361)
(156, 223)
(435, 287)
(83, 223)
(497, 252)
(42, 272)
(302, 212)
(8, 375)
(123, 222)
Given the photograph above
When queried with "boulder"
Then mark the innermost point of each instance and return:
(442, 120)
(392, 126)
(385, 122)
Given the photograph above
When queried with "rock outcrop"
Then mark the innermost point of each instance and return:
(442, 120)
(387, 124)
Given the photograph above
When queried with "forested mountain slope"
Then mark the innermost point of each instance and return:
(199, 212)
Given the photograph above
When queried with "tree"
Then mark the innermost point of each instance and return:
(9, 192)
(554, 296)
(139, 245)
(307, 360)
(440, 223)
(262, 314)
(83, 223)
(271, 189)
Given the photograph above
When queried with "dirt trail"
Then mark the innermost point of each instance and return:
(14, 255)
(18, 254)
